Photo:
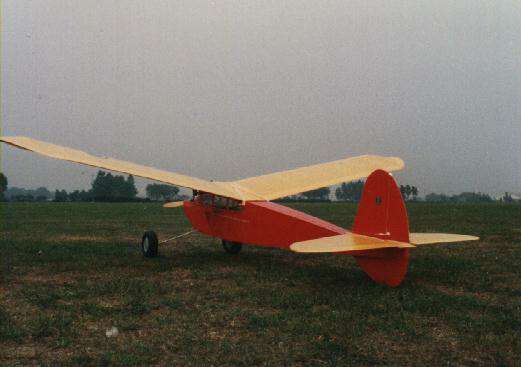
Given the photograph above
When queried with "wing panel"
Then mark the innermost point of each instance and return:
(266, 187)
(77, 156)
(280, 184)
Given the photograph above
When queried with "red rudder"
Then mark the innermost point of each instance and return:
(382, 214)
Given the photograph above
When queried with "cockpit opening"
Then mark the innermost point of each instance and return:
(216, 201)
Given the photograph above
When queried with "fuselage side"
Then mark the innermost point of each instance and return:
(260, 223)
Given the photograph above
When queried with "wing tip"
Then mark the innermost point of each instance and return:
(387, 163)
(400, 164)
(433, 238)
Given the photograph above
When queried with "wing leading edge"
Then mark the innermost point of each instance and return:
(265, 187)
(77, 156)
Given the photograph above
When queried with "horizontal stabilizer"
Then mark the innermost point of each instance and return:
(346, 242)
(174, 204)
(356, 242)
(430, 238)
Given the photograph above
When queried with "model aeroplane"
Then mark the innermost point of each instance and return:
(240, 212)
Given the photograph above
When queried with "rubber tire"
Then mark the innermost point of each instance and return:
(153, 244)
(232, 247)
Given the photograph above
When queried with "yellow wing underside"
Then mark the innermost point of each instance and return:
(266, 187)
(356, 242)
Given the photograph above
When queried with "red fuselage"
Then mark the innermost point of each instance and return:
(381, 214)
(260, 223)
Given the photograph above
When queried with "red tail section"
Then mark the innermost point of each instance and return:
(382, 214)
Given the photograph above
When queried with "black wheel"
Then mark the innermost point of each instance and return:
(232, 247)
(149, 244)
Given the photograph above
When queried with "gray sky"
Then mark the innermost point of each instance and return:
(231, 89)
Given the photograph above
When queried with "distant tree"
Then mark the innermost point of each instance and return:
(437, 198)
(78, 195)
(75, 195)
(161, 192)
(61, 196)
(406, 191)
(20, 194)
(414, 193)
(3, 185)
(23, 198)
(350, 191)
(42, 194)
(472, 197)
(101, 190)
(85, 195)
(507, 198)
(318, 194)
(464, 197)
(12, 192)
(409, 192)
(130, 187)
(107, 187)
(289, 198)
(119, 189)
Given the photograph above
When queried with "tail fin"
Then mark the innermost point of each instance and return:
(382, 214)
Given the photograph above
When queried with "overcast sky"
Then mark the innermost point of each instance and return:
(230, 89)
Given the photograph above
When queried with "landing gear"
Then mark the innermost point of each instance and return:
(232, 247)
(149, 244)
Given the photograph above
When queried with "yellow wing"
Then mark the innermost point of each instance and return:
(345, 242)
(266, 187)
(72, 155)
(280, 184)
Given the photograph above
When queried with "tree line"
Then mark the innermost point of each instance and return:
(116, 188)
(464, 197)
(352, 192)
(106, 187)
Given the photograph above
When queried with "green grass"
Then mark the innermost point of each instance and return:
(72, 271)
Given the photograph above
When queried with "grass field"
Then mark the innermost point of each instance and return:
(72, 271)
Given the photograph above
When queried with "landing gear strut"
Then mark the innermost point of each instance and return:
(232, 247)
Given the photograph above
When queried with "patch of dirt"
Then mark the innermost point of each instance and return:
(484, 296)
(90, 238)
(58, 279)
(25, 352)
